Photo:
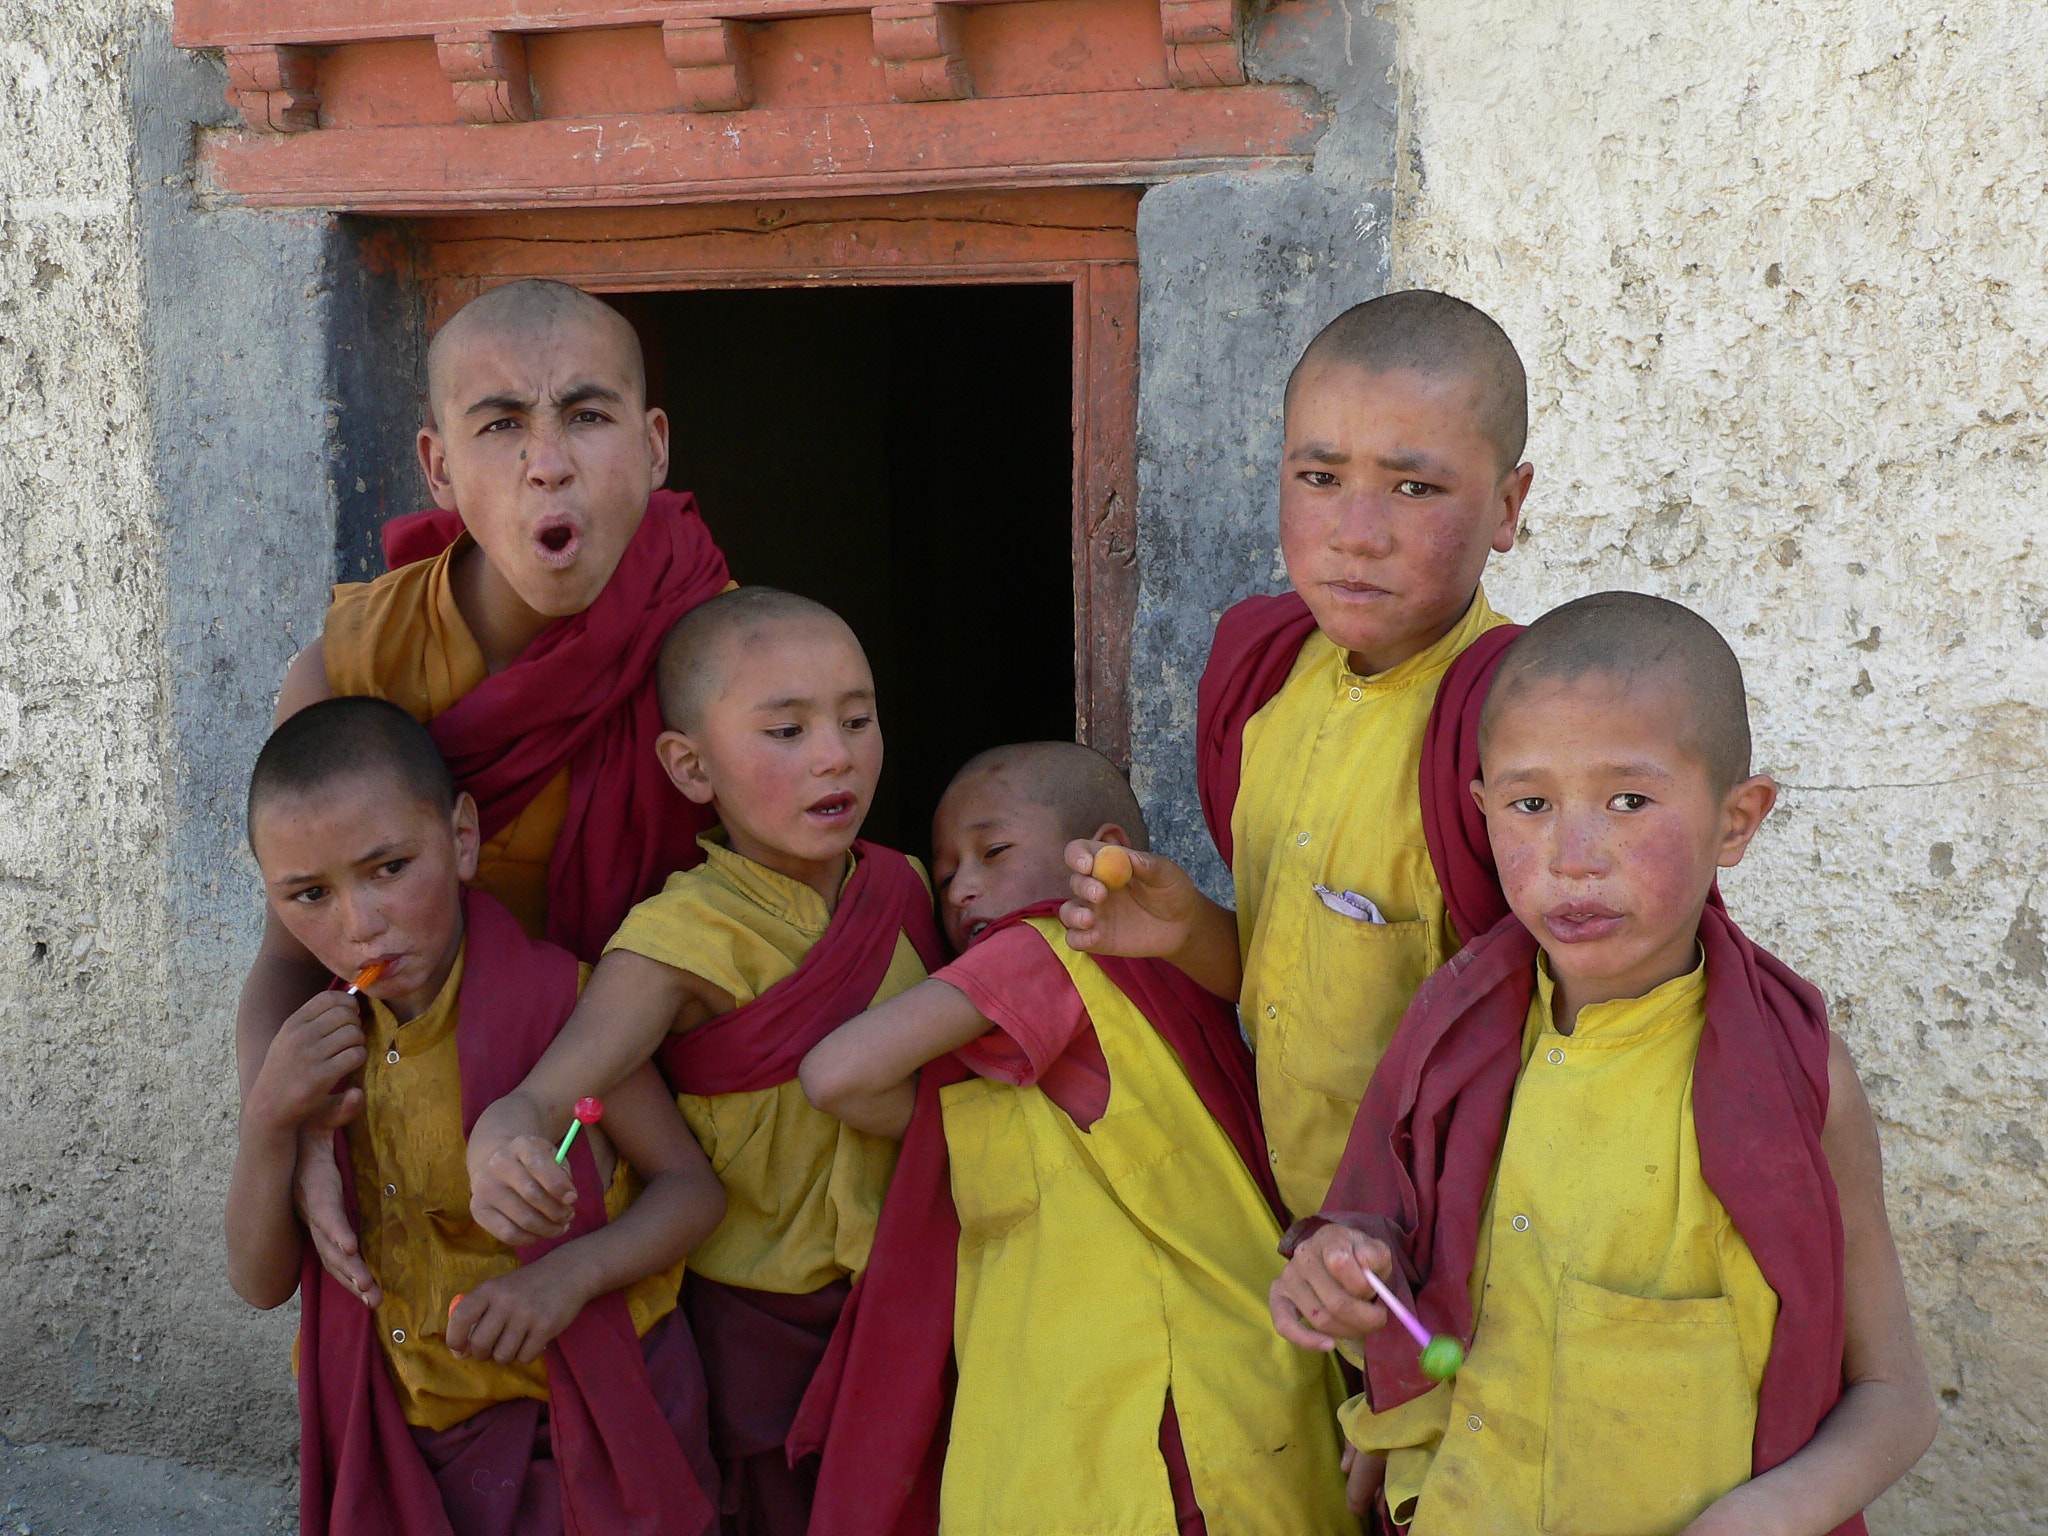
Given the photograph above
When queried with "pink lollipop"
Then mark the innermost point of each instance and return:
(588, 1112)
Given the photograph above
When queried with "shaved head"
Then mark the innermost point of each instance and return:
(1076, 783)
(345, 739)
(691, 672)
(1645, 644)
(529, 310)
(1421, 331)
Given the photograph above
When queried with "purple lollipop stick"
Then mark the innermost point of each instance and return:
(1407, 1318)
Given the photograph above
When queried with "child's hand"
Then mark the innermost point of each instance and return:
(1149, 915)
(1323, 1296)
(318, 1046)
(316, 1192)
(517, 1191)
(1363, 1478)
(515, 1316)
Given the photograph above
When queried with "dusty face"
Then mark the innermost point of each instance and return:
(1390, 501)
(789, 748)
(363, 871)
(543, 442)
(994, 851)
(1608, 831)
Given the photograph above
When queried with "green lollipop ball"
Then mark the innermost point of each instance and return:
(1442, 1357)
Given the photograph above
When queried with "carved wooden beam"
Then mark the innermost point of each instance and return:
(1203, 44)
(272, 86)
(919, 46)
(712, 64)
(488, 72)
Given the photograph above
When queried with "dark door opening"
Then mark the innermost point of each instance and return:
(904, 456)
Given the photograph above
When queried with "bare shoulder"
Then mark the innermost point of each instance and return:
(1849, 1136)
(305, 682)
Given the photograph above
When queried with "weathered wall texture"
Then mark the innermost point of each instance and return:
(1780, 275)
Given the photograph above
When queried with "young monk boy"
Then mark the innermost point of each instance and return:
(788, 928)
(1401, 471)
(1615, 1150)
(1112, 1216)
(485, 1394)
(520, 620)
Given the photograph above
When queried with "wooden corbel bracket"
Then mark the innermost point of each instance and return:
(273, 87)
(919, 46)
(1204, 45)
(711, 62)
(488, 72)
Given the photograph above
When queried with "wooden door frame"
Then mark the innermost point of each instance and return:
(1084, 238)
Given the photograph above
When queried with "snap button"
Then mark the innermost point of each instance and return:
(1521, 1223)
(1555, 1057)
(1274, 1154)
(1302, 840)
(1272, 1012)
(392, 1057)
(1358, 693)
(398, 1337)
(1472, 1423)
(390, 1189)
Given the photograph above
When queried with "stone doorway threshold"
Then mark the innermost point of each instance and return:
(65, 1490)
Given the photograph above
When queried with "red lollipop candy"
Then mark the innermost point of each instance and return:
(588, 1112)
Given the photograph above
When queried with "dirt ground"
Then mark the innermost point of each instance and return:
(61, 1490)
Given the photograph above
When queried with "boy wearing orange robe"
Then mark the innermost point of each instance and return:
(520, 620)
(1615, 1150)
(790, 926)
(487, 1393)
(1084, 1214)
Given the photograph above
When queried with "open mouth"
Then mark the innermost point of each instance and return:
(556, 542)
(833, 808)
(976, 928)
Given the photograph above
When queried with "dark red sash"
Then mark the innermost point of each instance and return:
(760, 1044)
(622, 1469)
(879, 1401)
(582, 696)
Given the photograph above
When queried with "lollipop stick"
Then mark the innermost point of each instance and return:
(1406, 1317)
(562, 1152)
(367, 975)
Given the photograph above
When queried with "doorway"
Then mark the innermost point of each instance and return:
(905, 456)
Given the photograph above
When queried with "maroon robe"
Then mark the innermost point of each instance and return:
(879, 1403)
(582, 696)
(619, 1453)
(761, 1348)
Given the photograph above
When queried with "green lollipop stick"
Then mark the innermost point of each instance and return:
(588, 1112)
(1442, 1355)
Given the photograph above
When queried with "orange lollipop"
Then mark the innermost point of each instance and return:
(367, 976)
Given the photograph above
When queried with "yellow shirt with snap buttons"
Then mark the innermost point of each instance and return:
(1622, 1323)
(1329, 799)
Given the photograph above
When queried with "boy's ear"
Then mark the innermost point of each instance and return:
(684, 765)
(467, 827)
(1478, 788)
(1509, 496)
(1110, 832)
(1743, 810)
(657, 445)
(434, 465)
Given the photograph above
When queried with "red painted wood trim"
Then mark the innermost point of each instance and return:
(1093, 138)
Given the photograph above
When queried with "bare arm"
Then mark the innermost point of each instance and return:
(1161, 914)
(517, 1191)
(1886, 1415)
(865, 1071)
(514, 1316)
(299, 1086)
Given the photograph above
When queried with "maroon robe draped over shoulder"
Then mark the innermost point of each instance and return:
(1422, 1151)
(879, 1403)
(620, 1464)
(761, 1350)
(582, 696)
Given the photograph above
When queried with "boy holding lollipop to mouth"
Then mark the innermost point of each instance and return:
(461, 1401)
(1615, 1149)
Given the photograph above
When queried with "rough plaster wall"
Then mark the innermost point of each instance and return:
(1236, 273)
(1780, 275)
(165, 501)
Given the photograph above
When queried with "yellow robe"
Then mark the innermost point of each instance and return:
(1329, 797)
(803, 1191)
(412, 1189)
(1101, 1270)
(402, 638)
(1622, 1325)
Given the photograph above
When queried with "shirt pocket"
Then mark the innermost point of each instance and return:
(1651, 1413)
(988, 1145)
(1357, 979)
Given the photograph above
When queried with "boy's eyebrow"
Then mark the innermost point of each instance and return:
(1412, 461)
(808, 701)
(1319, 453)
(376, 855)
(494, 404)
(1642, 769)
(587, 389)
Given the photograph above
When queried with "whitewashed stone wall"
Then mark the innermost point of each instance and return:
(1780, 275)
